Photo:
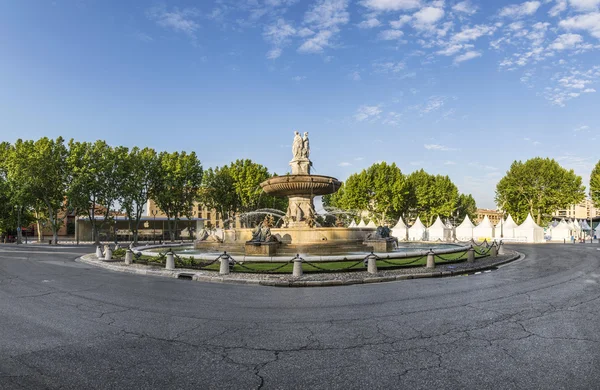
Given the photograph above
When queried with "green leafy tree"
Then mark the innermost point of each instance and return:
(45, 163)
(431, 196)
(218, 192)
(20, 184)
(595, 185)
(381, 190)
(96, 173)
(466, 206)
(176, 186)
(538, 186)
(140, 171)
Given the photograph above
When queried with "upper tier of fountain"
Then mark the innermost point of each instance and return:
(301, 185)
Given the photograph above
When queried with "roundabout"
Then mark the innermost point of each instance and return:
(532, 323)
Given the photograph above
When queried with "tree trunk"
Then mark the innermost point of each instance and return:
(19, 233)
(39, 229)
(76, 229)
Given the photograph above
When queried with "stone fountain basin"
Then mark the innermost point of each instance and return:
(299, 185)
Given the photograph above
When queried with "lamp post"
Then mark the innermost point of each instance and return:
(154, 212)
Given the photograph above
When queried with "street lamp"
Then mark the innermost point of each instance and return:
(154, 212)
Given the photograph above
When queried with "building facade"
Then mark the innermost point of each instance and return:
(582, 210)
(493, 215)
(212, 218)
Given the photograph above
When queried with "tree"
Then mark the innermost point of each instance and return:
(45, 163)
(176, 186)
(96, 173)
(141, 169)
(466, 206)
(595, 185)
(381, 190)
(431, 195)
(538, 186)
(218, 192)
(236, 188)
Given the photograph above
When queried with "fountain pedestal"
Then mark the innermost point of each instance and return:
(261, 248)
(381, 244)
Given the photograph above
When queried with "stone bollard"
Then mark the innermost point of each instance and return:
(493, 250)
(224, 269)
(117, 246)
(430, 259)
(170, 263)
(99, 253)
(372, 264)
(501, 248)
(470, 255)
(107, 253)
(297, 270)
(128, 257)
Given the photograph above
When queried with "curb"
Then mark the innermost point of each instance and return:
(203, 277)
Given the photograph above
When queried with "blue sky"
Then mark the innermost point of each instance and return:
(455, 87)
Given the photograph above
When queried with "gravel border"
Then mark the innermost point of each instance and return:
(309, 280)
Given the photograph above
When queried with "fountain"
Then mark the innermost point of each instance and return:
(299, 233)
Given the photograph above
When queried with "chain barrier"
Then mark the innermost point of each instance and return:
(449, 259)
(403, 264)
(333, 270)
(483, 253)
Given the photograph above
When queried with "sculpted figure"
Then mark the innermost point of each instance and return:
(297, 146)
(256, 233)
(305, 146)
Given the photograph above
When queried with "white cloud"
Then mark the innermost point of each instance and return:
(466, 56)
(369, 23)
(390, 35)
(585, 5)
(465, 7)
(434, 103)
(392, 119)
(391, 5)
(367, 113)
(426, 17)
(305, 32)
(388, 67)
(298, 78)
(472, 33)
(566, 41)
(589, 22)
(344, 164)
(177, 20)
(317, 43)
(404, 19)
(274, 53)
(355, 76)
(326, 14)
(519, 10)
(581, 128)
(560, 6)
(438, 147)
(453, 49)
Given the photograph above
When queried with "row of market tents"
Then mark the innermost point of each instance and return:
(506, 230)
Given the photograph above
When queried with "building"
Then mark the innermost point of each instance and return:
(212, 219)
(578, 211)
(493, 215)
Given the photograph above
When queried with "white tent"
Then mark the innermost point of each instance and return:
(530, 231)
(584, 225)
(371, 224)
(439, 231)
(418, 231)
(561, 232)
(506, 229)
(484, 231)
(597, 231)
(464, 231)
(400, 231)
(352, 224)
(361, 224)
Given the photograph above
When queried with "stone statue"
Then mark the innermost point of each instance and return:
(297, 146)
(257, 232)
(305, 146)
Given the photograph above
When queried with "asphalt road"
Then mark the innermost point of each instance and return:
(534, 323)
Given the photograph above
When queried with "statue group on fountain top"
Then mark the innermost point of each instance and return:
(301, 147)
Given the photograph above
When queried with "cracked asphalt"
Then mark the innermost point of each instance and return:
(533, 323)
